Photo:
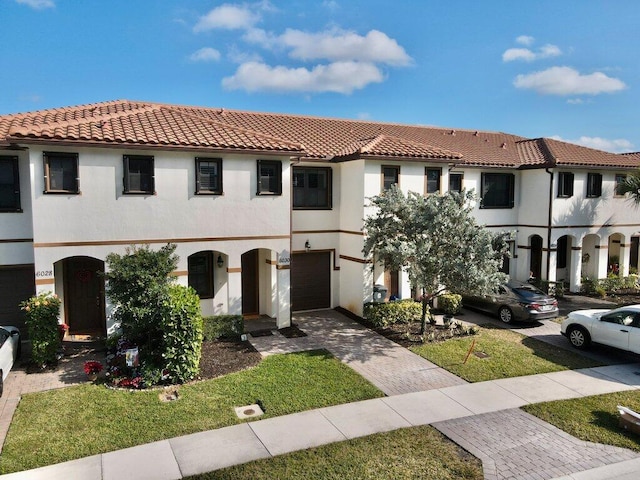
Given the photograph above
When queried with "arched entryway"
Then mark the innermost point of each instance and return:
(615, 253)
(84, 305)
(535, 256)
(259, 284)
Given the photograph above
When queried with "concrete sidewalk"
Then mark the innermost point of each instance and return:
(469, 406)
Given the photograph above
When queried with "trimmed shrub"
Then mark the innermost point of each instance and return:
(383, 314)
(450, 303)
(216, 326)
(182, 342)
(42, 322)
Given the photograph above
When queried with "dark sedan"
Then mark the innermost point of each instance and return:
(515, 301)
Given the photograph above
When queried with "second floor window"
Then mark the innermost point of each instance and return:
(269, 177)
(497, 190)
(620, 179)
(594, 185)
(61, 172)
(311, 187)
(433, 180)
(209, 175)
(9, 184)
(138, 174)
(565, 184)
(455, 182)
(390, 176)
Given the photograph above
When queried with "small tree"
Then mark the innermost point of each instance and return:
(437, 241)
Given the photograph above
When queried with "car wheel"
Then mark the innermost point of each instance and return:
(579, 337)
(505, 314)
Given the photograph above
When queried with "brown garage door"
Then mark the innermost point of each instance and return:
(310, 280)
(16, 285)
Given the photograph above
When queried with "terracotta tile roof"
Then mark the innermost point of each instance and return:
(143, 124)
(386, 146)
(157, 125)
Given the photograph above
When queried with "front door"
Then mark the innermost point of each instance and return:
(250, 282)
(84, 296)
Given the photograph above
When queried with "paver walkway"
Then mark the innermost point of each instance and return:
(390, 367)
(514, 445)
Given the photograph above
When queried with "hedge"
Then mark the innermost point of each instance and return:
(384, 314)
(216, 326)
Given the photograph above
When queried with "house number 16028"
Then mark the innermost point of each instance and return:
(44, 273)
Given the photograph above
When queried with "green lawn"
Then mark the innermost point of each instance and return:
(510, 354)
(74, 422)
(594, 419)
(419, 452)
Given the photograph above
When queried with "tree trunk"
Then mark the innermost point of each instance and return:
(423, 320)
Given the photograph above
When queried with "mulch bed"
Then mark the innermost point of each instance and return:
(220, 357)
(292, 332)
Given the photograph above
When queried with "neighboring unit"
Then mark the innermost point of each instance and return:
(267, 209)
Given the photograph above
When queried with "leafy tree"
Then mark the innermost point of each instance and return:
(631, 185)
(437, 241)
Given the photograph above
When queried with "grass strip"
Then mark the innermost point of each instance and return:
(508, 354)
(593, 419)
(65, 424)
(418, 452)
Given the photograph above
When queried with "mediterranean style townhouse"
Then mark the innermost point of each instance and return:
(267, 209)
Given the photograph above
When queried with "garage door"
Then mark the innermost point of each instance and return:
(310, 280)
(16, 285)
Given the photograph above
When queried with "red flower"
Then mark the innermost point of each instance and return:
(92, 367)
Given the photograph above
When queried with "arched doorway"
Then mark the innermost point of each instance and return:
(535, 258)
(84, 295)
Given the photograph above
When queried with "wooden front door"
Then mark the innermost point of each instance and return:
(250, 283)
(392, 282)
(84, 296)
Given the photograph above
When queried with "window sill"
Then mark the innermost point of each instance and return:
(313, 208)
(269, 194)
(138, 193)
(11, 210)
(215, 194)
(61, 192)
(496, 208)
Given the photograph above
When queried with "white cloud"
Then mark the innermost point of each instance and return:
(364, 116)
(339, 77)
(575, 101)
(227, 17)
(568, 81)
(206, 54)
(235, 55)
(339, 45)
(527, 55)
(38, 4)
(330, 4)
(525, 40)
(619, 145)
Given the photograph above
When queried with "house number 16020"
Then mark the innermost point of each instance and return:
(44, 273)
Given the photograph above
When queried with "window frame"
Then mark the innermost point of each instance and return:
(199, 189)
(207, 274)
(13, 161)
(594, 190)
(383, 182)
(328, 204)
(126, 180)
(278, 178)
(426, 180)
(456, 175)
(74, 159)
(618, 179)
(510, 177)
(565, 184)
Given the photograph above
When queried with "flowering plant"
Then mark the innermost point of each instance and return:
(41, 312)
(92, 367)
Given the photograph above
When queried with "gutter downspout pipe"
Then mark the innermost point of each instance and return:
(549, 220)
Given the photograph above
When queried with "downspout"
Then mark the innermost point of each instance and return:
(549, 220)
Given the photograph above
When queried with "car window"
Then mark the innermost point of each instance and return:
(621, 318)
(528, 292)
(3, 336)
(636, 321)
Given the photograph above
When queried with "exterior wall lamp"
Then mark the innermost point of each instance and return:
(220, 261)
(307, 246)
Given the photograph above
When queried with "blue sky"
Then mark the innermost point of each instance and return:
(566, 69)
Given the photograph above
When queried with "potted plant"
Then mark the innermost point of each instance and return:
(450, 304)
(62, 330)
(92, 368)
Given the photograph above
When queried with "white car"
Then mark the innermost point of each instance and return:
(619, 328)
(9, 351)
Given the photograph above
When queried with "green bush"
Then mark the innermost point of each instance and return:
(384, 314)
(42, 322)
(450, 303)
(182, 342)
(216, 326)
(611, 284)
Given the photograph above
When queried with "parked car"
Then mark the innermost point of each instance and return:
(619, 328)
(9, 351)
(515, 301)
